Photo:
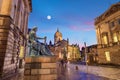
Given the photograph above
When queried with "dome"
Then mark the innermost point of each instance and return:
(57, 34)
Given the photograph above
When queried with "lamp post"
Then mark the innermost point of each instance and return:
(86, 60)
(64, 54)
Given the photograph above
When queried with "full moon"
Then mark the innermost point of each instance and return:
(48, 17)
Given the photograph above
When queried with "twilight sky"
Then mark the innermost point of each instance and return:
(74, 18)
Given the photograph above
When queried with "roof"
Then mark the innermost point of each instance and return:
(92, 46)
(113, 8)
(57, 33)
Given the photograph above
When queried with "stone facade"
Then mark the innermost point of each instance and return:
(73, 52)
(92, 54)
(13, 29)
(108, 35)
(62, 49)
(57, 36)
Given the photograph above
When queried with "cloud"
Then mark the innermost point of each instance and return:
(84, 28)
(74, 28)
(89, 23)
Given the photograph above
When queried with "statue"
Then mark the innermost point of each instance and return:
(36, 48)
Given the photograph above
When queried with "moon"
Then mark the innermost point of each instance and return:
(48, 17)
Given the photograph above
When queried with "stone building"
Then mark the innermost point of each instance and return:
(13, 29)
(73, 52)
(62, 49)
(107, 28)
(57, 36)
(92, 54)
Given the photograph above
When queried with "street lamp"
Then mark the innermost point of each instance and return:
(86, 60)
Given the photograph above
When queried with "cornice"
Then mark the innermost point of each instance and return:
(114, 8)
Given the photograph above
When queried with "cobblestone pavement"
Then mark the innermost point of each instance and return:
(70, 72)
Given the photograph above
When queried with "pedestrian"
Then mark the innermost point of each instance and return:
(62, 62)
(65, 63)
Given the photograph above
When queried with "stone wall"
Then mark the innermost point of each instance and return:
(107, 30)
(114, 55)
(12, 33)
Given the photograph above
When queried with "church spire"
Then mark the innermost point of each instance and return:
(57, 29)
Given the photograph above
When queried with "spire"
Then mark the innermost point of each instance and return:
(57, 29)
(50, 43)
(68, 40)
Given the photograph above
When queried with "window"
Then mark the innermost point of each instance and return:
(118, 21)
(119, 35)
(115, 39)
(112, 24)
(107, 55)
(0, 4)
(105, 39)
(21, 55)
(18, 12)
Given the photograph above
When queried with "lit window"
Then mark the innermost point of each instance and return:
(21, 52)
(107, 55)
(115, 39)
(105, 40)
(119, 35)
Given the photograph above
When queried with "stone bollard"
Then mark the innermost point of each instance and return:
(76, 67)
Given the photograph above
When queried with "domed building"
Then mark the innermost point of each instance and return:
(62, 49)
(57, 36)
